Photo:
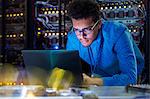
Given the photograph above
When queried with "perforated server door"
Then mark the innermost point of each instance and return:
(15, 29)
(50, 24)
(129, 12)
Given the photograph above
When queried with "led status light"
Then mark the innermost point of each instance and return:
(10, 83)
(55, 9)
(139, 6)
(38, 33)
(53, 12)
(117, 3)
(18, 15)
(115, 7)
(126, 2)
(53, 34)
(125, 6)
(57, 33)
(7, 35)
(21, 35)
(39, 28)
(134, 30)
(10, 35)
(65, 33)
(57, 12)
(21, 84)
(14, 83)
(14, 15)
(49, 34)
(47, 9)
(62, 33)
(65, 11)
(47, 31)
(106, 8)
(14, 35)
(45, 12)
(7, 83)
(21, 14)
(129, 6)
(129, 30)
(7, 15)
(42, 9)
(46, 34)
(49, 12)
(10, 15)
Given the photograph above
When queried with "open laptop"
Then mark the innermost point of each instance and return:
(39, 64)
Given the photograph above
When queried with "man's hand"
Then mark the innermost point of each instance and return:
(91, 81)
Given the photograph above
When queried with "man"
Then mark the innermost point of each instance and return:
(106, 46)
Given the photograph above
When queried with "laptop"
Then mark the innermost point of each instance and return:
(40, 63)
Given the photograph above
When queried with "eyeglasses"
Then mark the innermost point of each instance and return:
(86, 31)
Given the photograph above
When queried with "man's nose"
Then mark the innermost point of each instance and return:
(82, 35)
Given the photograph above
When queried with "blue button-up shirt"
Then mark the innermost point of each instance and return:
(116, 60)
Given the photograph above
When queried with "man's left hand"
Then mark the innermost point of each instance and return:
(87, 80)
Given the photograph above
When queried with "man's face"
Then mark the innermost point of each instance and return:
(86, 30)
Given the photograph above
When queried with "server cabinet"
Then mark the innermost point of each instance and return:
(15, 28)
(51, 24)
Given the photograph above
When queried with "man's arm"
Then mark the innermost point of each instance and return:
(127, 62)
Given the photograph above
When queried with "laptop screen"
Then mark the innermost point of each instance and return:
(39, 63)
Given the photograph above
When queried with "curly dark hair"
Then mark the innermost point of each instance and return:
(82, 9)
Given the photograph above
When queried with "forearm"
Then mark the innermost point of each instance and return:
(87, 80)
(119, 80)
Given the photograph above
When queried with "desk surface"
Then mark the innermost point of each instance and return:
(103, 92)
(118, 92)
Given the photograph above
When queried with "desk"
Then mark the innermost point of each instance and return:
(119, 92)
(103, 92)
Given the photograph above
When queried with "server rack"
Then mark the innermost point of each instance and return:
(23, 30)
(132, 13)
(14, 30)
(50, 24)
